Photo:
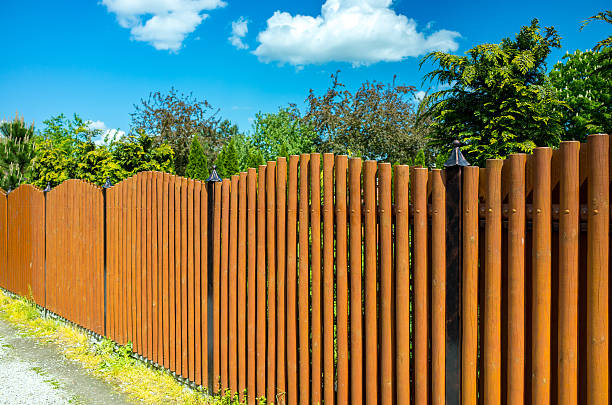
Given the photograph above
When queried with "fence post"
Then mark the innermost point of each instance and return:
(45, 191)
(453, 168)
(210, 192)
(105, 187)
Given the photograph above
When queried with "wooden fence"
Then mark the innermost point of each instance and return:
(324, 279)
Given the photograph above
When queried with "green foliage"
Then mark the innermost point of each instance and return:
(175, 118)
(588, 95)
(228, 163)
(197, 168)
(16, 152)
(254, 158)
(282, 134)
(497, 99)
(138, 153)
(377, 121)
(85, 160)
(68, 134)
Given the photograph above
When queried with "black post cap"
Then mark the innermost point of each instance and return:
(456, 157)
(214, 176)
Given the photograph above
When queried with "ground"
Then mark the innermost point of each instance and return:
(37, 373)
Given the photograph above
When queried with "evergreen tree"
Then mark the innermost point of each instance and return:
(16, 152)
(227, 161)
(254, 158)
(197, 167)
(498, 99)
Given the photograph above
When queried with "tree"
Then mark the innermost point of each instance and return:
(588, 96)
(254, 158)
(377, 121)
(228, 163)
(16, 152)
(175, 119)
(66, 133)
(123, 158)
(273, 131)
(497, 98)
(197, 168)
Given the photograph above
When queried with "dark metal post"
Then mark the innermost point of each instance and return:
(45, 191)
(210, 190)
(105, 187)
(454, 263)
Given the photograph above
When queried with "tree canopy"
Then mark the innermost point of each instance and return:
(587, 94)
(197, 168)
(377, 121)
(16, 152)
(63, 153)
(497, 99)
(175, 118)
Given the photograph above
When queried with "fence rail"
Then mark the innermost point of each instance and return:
(324, 279)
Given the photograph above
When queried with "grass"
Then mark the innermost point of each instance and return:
(105, 360)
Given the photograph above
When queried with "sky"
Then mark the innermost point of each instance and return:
(99, 58)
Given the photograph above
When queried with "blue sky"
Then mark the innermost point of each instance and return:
(99, 58)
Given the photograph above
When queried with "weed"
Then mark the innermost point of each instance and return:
(106, 360)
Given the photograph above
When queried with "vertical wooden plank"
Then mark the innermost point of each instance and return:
(225, 230)
(139, 292)
(421, 299)
(242, 293)
(292, 356)
(185, 191)
(217, 285)
(569, 232)
(342, 286)
(541, 276)
(438, 287)
(281, 207)
(152, 214)
(261, 281)
(469, 355)
(328, 278)
(304, 283)
(356, 311)
(171, 284)
(402, 273)
(252, 284)
(597, 270)
(370, 262)
(315, 218)
(199, 307)
(172, 265)
(121, 274)
(516, 280)
(178, 265)
(132, 257)
(189, 332)
(166, 252)
(232, 312)
(271, 254)
(149, 268)
(160, 263)
(492, 290)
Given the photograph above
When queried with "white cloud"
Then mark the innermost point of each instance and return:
(108, 134)
(360, 32)
(162, 23)
(239, 31)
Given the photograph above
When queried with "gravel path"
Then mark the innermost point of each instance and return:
(33, 373)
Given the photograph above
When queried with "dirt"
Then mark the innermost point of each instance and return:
(37, 373)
